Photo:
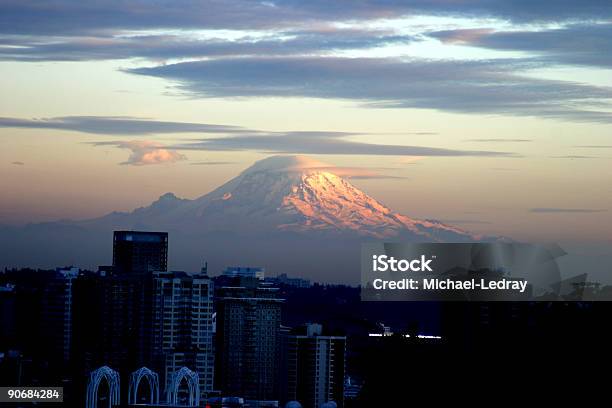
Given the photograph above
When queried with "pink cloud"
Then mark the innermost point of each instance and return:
(146, 152)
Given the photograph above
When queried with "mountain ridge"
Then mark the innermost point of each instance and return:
(296, 194)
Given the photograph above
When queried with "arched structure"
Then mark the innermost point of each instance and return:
(193, 384)
(95, 378)
(152, 380)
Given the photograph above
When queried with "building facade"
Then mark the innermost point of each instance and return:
(183, 326)
(247, 339)
(57, 303)
(139, 252)
(314, 368)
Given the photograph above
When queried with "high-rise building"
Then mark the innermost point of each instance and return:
(113, 318)
(183, 328)
(8, 316)
(313, 368)
(56, 322)
(247, 338)
(139, 252)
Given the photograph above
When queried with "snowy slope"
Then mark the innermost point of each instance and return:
(288, 193)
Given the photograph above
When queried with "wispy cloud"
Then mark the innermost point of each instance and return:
(289, 48)
(18, 163)
(168, 46)
(577, 43)
(554, 210)
(146, 152)
(233, 138)
(483, 87)
(359, 173)
(323, 143)
(67, 17)
(116, 125)
(501, 140)
(574, 157)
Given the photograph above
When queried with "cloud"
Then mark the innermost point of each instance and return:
(145, 152)
(161, 47)
(566, 210)
(18, 163)
(498, 140)
(578, 43)
(323, 143)
(358, 173)
(483, 87)
(234, 139)
(574, 156)
(595, 146)
(116, 125)
(290, 51)
(67, 17)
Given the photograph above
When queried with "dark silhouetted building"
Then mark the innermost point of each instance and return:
(247, 338)
(139, 252)
(56, 322)
(113, 320)
(8, 317)
(314, 368)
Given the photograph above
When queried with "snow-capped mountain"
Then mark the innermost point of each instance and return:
(286, 213)
(288, 193)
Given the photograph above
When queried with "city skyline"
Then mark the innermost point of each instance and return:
(490, 117)
(187, 339)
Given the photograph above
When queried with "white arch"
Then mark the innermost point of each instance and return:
(95, 378)
(193, 384)
(153, 380)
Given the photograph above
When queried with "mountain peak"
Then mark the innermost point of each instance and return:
(302, 195)
(294, 194)
(286, 163)
(168, 197)
(166, 202)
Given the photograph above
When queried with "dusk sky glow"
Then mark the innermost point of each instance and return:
(493, 117)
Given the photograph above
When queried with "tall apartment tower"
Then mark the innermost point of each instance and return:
(56, 322)
(113, 322)
(183, 326)
(314, 368)
(140, 252)
(113, 317)
(247, 338)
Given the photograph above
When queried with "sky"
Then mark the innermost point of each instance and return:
(491, 115)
